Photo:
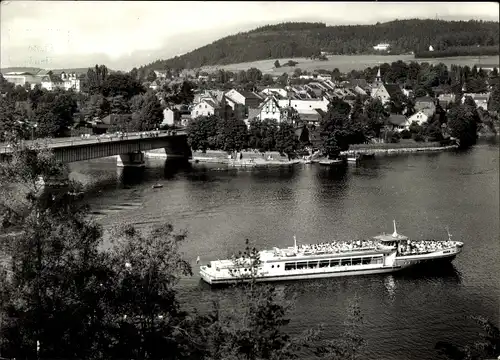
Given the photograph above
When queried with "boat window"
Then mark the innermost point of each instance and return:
(345, 262)
(365, 260)
(356, 261)
(312, 264)
(334, 262)
(302, 265)
(377, 260)
(272, 266)
(290, 266)
(324, 263)
(278, 265)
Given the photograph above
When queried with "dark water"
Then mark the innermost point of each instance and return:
(404, 314)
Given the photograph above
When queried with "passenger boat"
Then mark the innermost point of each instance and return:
(353, 158)
(381, 254)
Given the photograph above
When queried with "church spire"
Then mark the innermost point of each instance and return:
(378, 79)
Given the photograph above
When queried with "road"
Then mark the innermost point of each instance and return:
(94, 139)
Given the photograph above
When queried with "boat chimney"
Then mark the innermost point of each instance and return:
(295, 243)
(395, 233)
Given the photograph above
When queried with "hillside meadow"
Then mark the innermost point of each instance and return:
(346, 63)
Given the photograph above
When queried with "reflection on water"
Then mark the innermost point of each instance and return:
(405, 313)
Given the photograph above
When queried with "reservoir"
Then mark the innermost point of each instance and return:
(404, 314)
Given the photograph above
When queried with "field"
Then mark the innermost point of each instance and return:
(346, 63)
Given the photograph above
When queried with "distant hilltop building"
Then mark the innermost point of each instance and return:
(381, 47)
(431, 48)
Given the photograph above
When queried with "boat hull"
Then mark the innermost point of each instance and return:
(210, 279)
(429, 259)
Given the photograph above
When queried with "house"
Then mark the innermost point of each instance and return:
(52, 82)
(21, 78)
(253, 113)
(275, 90)
(170, 117)
(163, 74)
(204, 108)
(481, 100)
(111, 121)
(420, 117)
(488, 67)
(155, 85)
(381, 47)
(305, 104)
(446, 99)
(247, 98)
(270, 109)
(310, 116)
(426, 104)
(397, 122)
(71, 81)
(385, 92)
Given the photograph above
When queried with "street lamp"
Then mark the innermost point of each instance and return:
(33, 126)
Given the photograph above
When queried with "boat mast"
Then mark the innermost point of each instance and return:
(395, 233)
(295, 243)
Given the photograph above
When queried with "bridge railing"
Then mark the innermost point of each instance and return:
(95, 139)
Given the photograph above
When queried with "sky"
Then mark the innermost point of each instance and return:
(122, 35)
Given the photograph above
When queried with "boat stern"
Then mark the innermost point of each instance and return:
(206, 274)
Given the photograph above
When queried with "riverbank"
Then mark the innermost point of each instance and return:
(385, 148)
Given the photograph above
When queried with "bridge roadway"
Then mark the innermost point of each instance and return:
(53, 143)
(130, 147)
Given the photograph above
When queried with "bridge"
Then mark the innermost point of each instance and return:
(129, 148)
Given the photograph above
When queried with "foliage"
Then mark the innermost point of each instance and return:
(202, 133)
(150, 113)
(376, 116)
(95, 78)
(494, 101)
(231, 134)
(121, 85)
(277, 64)
(487, 346)
(335, 132)
(286, 140)
(463, 120)
(262, 134)
(459, 51)
(308, 39)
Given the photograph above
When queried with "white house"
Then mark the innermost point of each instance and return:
(246, 98)
(52, 82)
(431, 48)
(270, 109)
(305, 104)
(71, 81)
(21, 78)
(381, 47)
(204, 108)
(168, 117)
(419, 117)
(481, 100)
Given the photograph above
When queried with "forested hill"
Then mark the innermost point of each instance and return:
(290, 40)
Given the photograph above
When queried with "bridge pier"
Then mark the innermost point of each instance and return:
(131, 159)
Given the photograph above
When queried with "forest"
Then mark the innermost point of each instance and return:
(290, 40)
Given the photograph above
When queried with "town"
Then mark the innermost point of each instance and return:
(249, 181)
(248, 109)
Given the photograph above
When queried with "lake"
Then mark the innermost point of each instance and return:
(404, 314)
(346, 63)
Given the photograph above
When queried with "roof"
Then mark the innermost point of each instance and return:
(250, 95)
(393, 89)
(211, 103)
(424, 99)
(398, 120)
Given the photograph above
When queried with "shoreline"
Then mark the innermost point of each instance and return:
(251, 160)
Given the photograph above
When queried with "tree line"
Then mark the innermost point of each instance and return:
(290, 40)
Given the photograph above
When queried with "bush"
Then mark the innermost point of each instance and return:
(418, 137)
(395, 137)
(405, 134)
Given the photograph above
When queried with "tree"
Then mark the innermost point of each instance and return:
(376, 117)
(232, 134)
(476, 85)
(151, 76)
(462, 124)
(334, 132)
(494, 101)
(202, 133)
(95, 78)
(277, 64)
(286, 140)
(151, 113)
(119, 105)
(146, 267)
(254, 75)
(121, 85)
(487, 346)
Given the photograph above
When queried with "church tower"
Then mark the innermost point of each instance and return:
(378, 78)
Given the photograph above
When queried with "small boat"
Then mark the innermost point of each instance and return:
(353, 158)
(331, 162)
(157, 186)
